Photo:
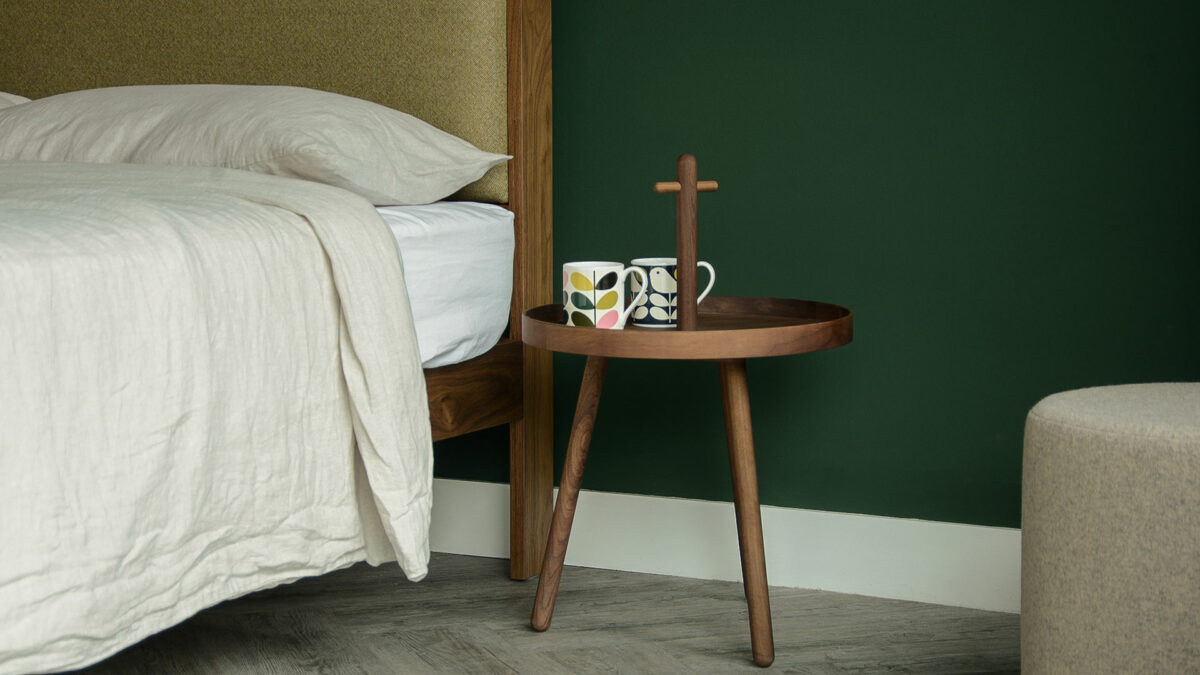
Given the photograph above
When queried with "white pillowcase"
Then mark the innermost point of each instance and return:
(385, 155)
(7, 99)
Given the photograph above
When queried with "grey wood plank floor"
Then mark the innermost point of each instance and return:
(468, 617)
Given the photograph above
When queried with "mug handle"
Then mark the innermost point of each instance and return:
(712, 279)
(640, 296)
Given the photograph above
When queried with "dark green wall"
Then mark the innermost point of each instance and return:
(1006, 194)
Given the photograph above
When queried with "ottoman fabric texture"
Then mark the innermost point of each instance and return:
(1110, 562)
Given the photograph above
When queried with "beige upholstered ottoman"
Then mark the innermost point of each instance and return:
(1110, 532)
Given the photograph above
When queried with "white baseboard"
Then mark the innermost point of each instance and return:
(942, 563)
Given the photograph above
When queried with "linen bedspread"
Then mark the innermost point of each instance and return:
(192, 363)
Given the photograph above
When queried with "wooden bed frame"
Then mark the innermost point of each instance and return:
(63, 45)
(514, 383)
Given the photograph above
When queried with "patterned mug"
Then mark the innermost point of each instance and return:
(660, 309)
(594, 293)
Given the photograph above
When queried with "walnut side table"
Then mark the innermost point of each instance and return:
(727, 330)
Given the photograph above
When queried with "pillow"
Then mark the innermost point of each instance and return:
(385, 155)
(7, 99)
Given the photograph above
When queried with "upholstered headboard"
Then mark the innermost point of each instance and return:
(441, 60)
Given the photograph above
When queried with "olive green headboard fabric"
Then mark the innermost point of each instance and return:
(441, 60)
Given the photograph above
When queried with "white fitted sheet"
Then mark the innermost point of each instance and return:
(458, 259)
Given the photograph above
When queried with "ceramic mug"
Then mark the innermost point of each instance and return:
(660, 308)
(594, 293)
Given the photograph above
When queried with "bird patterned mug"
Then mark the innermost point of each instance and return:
(594, 293)
(660, 308)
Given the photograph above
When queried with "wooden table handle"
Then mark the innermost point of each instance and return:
(670, 187)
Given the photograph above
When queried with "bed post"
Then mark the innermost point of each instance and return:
(531, 442)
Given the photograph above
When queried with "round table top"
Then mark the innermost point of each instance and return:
(727, 328)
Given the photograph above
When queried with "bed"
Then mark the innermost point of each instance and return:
(479, 70)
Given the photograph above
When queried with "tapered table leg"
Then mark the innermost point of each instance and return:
(568, 491)
(736, 396)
